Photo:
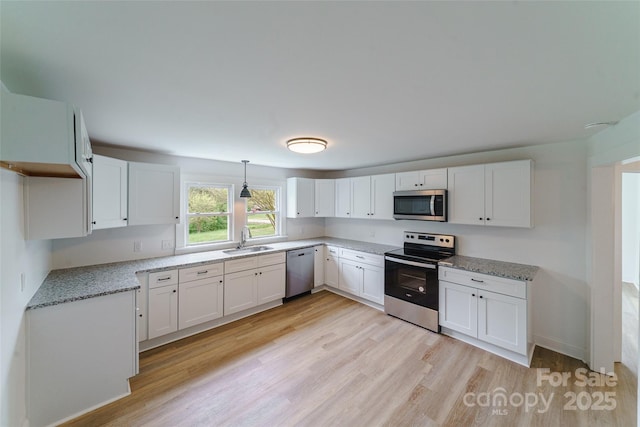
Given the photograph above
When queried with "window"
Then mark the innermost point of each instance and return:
(263, 212)
(208, 213)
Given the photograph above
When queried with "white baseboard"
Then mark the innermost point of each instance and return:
(560, 347)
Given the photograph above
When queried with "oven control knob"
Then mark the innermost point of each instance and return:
(421, 289)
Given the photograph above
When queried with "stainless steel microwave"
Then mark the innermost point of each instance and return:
(422, 205)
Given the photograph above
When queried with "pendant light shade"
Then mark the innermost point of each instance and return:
(306, 145)
(245, 191)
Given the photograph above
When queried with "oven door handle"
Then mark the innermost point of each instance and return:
(413, 263)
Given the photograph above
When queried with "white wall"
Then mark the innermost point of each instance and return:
(631, 228)
(17, 256)
(556, 243)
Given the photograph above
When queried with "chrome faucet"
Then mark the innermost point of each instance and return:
(244, 234)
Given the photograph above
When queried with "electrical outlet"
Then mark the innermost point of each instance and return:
(166, 244)
(137, 246)
(23, 280)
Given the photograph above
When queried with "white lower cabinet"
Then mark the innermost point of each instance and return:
(254, 281)
(331, 266)
(162, 317)
(487, 310)
(200, 301)
(179, 299)
(361, 274)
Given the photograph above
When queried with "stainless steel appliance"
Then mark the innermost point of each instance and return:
(411, 277)
(299, 272)
(423, 205)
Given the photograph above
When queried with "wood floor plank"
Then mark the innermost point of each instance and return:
(324, 360)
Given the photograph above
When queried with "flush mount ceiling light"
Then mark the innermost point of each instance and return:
(245, 191)
(306, 145)
(598, 124)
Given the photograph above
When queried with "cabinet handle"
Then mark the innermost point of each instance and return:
(202, 272)
(473, 295)
(162, 279)
(480, 219)
(93, 222)
(177, 217)
(255, 274)
(359, 256)
(480, 296)
(174, 291)
(124, 219)
(220, 281)
(476, 280)
(488, 219)
(139, 315)
(261, 272)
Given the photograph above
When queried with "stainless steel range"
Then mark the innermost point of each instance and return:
(411, 277)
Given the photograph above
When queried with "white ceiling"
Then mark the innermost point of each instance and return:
(383, 82)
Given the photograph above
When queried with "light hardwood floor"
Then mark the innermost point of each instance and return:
(324, 360)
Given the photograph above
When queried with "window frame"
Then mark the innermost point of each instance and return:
(229, 214)
(277, 211)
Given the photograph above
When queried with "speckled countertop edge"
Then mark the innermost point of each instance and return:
(79, 283)
(508, 270)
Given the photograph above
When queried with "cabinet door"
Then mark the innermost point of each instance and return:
(373, 283)
(300, 197)
(109, 192)
(382, 196)
(163, 310)
(240, 291)
(325, 198)
(408, 181)
(502, 320)
(508, 194)
(433, 179)
(154, 194)
(351, 277)
(458, 308)
(343, 198)
(361, 197)
(331, 271)
(318, 266)
(271, 283)
(200, 301)
(466, 194)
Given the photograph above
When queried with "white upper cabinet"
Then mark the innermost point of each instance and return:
(372, 196)
(343, 198)
(431, 179)
(154, 194)
(325, 197)
(496, 194)
(109, 192)
(300, 197)
(41, 137)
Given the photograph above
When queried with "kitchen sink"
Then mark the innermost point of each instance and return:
(247, 250)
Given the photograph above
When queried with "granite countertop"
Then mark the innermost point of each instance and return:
(74, 284)
(508, 270)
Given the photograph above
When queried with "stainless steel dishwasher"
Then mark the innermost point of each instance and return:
(299, 271)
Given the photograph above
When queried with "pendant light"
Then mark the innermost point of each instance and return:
(245, 191)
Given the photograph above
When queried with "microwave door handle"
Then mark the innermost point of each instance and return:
(433, 205)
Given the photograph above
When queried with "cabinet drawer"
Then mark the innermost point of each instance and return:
(163, 278)
(271, 259)
(241, 264)
(200, 272)
(364, 257)
(499, 285)
(332, 251)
